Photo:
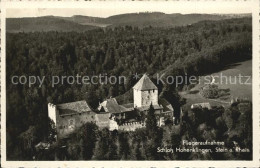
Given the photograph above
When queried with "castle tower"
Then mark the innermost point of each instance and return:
(145, 92)
(52, 112)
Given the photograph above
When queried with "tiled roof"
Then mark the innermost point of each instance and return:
(73, 107)
(129, 105)
(111, 106)
(166, 105)
(144, 108)
(125, 109)
(145, 84)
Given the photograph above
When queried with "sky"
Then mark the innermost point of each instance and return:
(106, 9)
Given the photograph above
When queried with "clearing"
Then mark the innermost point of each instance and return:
(235, 81)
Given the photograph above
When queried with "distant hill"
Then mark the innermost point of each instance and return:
(88, 20)
(83, 23)
(47, 23)
(160, 19)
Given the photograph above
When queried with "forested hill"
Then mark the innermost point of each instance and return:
(157, 19)
(44, 24)
(80, 23)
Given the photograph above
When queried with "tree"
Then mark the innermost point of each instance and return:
(28, 139)
(124, 149)
(154, 138)
(171, 95)
(137, 152)
(87, 137)
(151, 123)
(91, 98)
(210, 91)
(102, 147)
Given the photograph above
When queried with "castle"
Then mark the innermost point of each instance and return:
(68, 117)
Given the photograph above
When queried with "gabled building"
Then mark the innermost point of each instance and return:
(68, 117)
(145, 93)
(111, 106)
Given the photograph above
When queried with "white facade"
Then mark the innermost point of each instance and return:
(52, 112)
(113, 125)
(145, 97)
(137, 98)
(145, 92)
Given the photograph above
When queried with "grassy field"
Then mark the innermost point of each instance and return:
(235, 80)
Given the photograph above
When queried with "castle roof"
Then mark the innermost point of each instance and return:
(111, 106)
(73, 108)
(165, 104)
(128, 105)
(145, 84)
(145, 108)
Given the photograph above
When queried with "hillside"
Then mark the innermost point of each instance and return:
(80, 23)
(87, 20)
(44, 24)
(155, 19)
(160, 19)
(232, 90)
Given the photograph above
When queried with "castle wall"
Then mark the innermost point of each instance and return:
(131, 126)
(157, 111)
(113, 125)
(68, 124)
(102, 120)
(149, 96)
(52, 112)
(145, 98)
(137, 98)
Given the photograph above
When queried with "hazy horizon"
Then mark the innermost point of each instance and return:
(133, 13)
(107, 9)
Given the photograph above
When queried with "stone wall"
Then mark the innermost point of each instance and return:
(52, 112)
(145, 98)
(149, 96)
(131, 126)
(137, 98)
(67, 124)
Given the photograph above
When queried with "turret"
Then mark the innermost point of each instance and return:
(145, 92)
(52, 112)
